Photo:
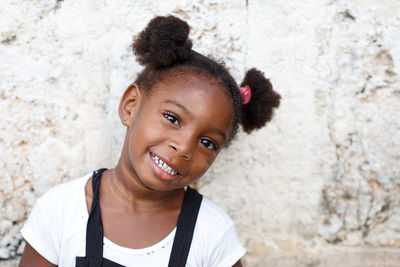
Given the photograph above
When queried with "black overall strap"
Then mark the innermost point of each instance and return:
(185, 228)
(94, 230)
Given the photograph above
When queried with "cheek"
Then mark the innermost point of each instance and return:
(132, 145)
(202, 164)
(138, 137)
(144, 125)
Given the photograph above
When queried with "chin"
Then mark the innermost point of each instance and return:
(162, 187)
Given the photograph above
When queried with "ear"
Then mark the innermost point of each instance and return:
(129, 102)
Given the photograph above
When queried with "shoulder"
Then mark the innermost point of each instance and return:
(66, 191)
(215, 241)
(62, 201)
(211, 214)
(57, 214)
(212, 223)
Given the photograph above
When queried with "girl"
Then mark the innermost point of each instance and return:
(180, 112)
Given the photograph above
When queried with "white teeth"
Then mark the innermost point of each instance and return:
(163, 165)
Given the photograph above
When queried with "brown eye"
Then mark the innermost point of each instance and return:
(172, 118)
(209, 144)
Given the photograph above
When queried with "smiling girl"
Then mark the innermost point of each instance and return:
(181, 111)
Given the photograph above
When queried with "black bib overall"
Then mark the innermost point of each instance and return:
(95, 234)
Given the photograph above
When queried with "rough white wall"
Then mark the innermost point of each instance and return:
(324, 176)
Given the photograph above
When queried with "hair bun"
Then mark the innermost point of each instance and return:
(263, 101)
(164, 41)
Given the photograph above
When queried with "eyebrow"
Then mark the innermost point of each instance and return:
(218, 131)
(186, 110)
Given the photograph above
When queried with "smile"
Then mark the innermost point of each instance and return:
(163, 165)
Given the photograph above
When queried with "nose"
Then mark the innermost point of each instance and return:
(183, 146)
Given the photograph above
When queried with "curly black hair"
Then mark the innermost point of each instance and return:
(164, 48)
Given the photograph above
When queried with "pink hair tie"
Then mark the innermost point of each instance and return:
(246, 94)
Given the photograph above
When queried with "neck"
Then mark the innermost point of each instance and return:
(125, 185)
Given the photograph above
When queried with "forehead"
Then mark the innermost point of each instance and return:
(204, 90)
(202, 95)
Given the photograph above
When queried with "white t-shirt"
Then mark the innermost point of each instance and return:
(56, 229)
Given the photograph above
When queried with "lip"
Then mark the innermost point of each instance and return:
(163, 175)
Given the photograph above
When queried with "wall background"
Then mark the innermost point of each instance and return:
(318, 187)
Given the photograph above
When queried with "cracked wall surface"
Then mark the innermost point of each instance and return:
(319, 186)
(361, 202)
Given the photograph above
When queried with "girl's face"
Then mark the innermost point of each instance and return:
(176, 131)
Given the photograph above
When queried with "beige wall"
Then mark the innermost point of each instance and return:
(318, 187)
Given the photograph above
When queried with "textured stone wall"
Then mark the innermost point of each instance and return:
(318, 187)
